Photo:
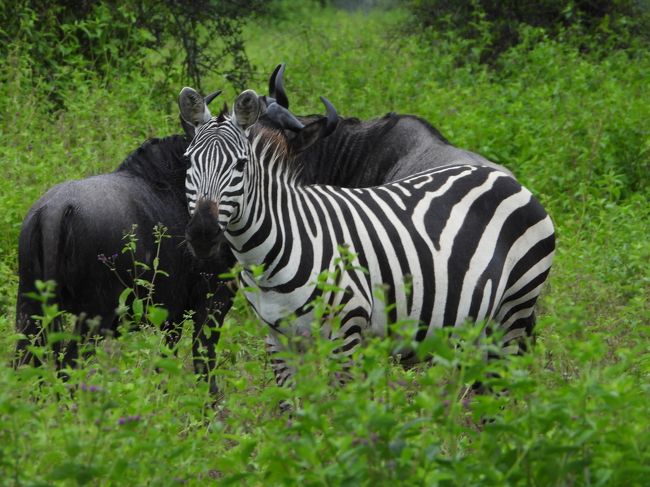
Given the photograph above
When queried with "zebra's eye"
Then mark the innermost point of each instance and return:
(241, 162)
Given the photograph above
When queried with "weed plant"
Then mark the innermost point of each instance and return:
(573, 411)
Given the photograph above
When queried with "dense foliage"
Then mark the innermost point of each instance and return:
(491, 27)
(111, 37)
(574, 411)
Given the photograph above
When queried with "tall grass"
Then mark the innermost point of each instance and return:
(576, 410)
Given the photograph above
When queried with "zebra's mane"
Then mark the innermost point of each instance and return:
(159, 161)
(272, 150)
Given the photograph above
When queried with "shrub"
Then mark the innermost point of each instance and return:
(495, 26)
(110, 36)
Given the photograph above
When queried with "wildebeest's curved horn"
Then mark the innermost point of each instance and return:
(332, 117)
(211, 97)
(276, 88)
(247, 106)
(274, 74)
(284, 117)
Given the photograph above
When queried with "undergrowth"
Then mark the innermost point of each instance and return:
(573, 411)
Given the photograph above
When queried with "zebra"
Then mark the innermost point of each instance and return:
(472, 242)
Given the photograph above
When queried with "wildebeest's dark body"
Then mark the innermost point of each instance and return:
(75, 221)
(378, 151)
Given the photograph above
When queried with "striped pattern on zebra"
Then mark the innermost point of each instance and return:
(472, 242)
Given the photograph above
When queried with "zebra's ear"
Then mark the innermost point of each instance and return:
(247, 109)
(194, 110)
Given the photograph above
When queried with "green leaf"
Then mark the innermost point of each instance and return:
(124, 296)
(138, 309)
(74, 471)
(168, 365)
(59, 336)
(157, 316)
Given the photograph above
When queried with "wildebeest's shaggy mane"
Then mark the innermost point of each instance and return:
(164, 168)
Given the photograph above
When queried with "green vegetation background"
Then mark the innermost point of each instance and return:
(572, 125)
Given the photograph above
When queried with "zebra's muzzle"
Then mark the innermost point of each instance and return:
(203, 235)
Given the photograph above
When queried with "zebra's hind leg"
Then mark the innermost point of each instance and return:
(518, 328)
(282, 371)
(518, 331)
(517, 335)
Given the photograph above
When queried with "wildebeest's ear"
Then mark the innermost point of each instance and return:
(316, 130)
(194, 110)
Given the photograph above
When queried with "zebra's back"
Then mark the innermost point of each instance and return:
(448, 245)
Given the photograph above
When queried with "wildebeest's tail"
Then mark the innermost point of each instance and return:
(45, 247)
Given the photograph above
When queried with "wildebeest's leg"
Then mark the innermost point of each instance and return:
(210, 311)
(28, 326)
(83, 330)
(30, 268)
(27, 308)
(172, 329)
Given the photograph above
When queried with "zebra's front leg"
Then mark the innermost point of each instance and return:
(282, 371)
(351, 334)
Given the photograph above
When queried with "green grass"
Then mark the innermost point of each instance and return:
(574, 130)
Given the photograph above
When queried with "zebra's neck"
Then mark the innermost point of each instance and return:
(271, 195)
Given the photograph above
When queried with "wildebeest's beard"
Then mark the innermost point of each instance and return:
(203, 235)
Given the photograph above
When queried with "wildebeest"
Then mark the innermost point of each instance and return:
(74, 233)
(376, 151)
(357, 154)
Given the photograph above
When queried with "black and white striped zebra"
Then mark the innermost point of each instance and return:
(473, 242)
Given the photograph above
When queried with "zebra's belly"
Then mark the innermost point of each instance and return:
(274, 308)
(295, 311)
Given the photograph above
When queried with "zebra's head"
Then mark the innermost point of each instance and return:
(221, 153)
(217, 156)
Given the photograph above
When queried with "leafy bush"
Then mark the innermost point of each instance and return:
(573, 129)
(495, 26)
(111, 37)
(136, 412)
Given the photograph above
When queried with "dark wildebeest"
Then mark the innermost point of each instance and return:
(77, 227)
(357, 154)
